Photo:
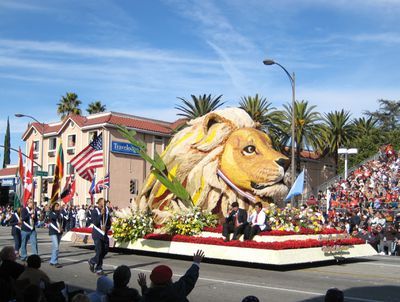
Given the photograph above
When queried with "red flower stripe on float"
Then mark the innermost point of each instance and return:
(87, 230)
(289, 244)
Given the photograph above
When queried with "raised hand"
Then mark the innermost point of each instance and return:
(198, 257)
(142, 280)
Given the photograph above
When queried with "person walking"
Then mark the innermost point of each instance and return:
(101, 221)
(55, 232)
(29, 219)
(15, 223)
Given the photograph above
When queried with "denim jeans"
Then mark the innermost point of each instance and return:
(28, 236)
(55, 245)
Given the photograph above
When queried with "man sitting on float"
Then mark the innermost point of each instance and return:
(257, 223)
(235, 222)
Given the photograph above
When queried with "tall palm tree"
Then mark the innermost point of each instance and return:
(96, 107)
(337, 132)
(307, 125)
(364, 126)
(69, 104)
(198, 106)
(266, 116)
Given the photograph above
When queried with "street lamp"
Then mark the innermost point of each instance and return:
(292, 79)
(41, 151)
(346, 152)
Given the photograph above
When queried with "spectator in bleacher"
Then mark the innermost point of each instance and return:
(33, 273)
(103, 286)
(9, 266)
(334, 295)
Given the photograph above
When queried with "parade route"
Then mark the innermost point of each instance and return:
(372, 279)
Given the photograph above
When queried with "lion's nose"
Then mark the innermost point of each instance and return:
(283, 162)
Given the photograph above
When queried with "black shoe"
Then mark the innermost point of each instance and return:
(56, 265)
(91, 266)
(99, 272)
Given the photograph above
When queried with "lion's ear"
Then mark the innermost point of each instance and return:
(215, 130)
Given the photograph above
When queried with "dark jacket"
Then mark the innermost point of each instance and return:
(242, 216)
(124, 294)
(98, 220)
(174, 292)
(28, 225)
(66, 218)
(16, 229)
(55, 223)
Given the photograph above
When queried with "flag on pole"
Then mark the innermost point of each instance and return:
(103, 183)
(92, 190)
(58, 175)
(19, 186)
(69, 190)
(28, 177)
(297, 188)
(89, 159)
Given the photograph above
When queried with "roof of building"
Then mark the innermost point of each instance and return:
(8, 171)
(104, 119)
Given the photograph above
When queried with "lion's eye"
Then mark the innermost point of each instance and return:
(248, 150)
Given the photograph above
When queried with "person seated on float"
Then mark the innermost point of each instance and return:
(235, 222)
(257, 223)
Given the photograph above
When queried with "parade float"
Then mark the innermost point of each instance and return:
(218, 159)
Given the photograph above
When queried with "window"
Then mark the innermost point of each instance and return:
(92, 135)
(70, 169)
(71, 141)
(51, 169)
(158, 138)
(36, 146)
(52, 143)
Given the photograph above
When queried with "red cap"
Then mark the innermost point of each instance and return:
(161, 274)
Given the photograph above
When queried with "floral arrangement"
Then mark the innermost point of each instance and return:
(190, 223)
(278, 245)
(293, 220)
(130, 225)
(87, 230)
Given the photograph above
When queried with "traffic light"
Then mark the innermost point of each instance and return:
(132, 186)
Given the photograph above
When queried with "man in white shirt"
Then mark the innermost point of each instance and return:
(81, 216)
(257, 223)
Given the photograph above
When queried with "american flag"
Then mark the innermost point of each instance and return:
(103, 183)
(89, 159)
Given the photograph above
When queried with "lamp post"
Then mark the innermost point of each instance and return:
(346, 152)
(41, 152)
(292, 79)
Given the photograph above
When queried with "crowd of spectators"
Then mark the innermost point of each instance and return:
(366, 204)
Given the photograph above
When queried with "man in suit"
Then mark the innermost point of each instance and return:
(235, 222)
(29, 220)
(101, 225)
(257, 223)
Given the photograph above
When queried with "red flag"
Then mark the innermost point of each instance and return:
(28, 177)
(69, 191)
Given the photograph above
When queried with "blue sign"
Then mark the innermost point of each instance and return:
(124, 148)
(7, 182)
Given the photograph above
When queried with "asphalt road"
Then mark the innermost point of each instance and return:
(369, 279)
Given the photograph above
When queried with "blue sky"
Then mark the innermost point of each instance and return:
(138, 56)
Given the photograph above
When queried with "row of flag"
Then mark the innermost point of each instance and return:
(84, 163)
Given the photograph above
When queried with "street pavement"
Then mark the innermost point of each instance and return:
(369, 279)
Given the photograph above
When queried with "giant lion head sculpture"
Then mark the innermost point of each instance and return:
(219, 158)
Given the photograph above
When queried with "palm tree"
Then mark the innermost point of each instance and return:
(307, 125)
(363, 126)
(198, 106)
(266, 116)
(96, 107)
(337, 132)
(69, 104)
